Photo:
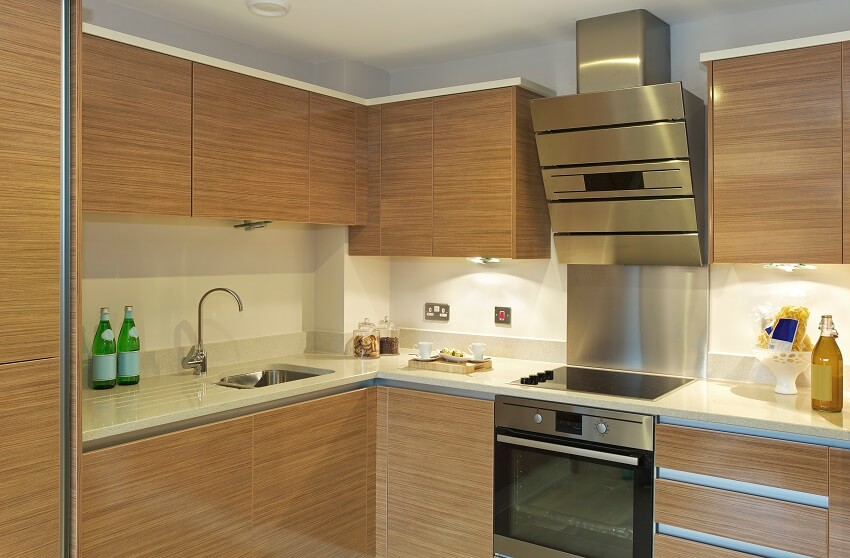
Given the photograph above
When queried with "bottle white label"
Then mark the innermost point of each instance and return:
(103, 367)
(107, 335)
(134, 333)
(128, 364)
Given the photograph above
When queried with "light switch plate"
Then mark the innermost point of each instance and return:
(436, 312)
(503, 315)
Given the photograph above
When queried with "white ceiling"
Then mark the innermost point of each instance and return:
(394, 34)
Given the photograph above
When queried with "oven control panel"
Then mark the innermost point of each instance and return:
(571, 421)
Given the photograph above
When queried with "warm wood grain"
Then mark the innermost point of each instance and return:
(777, 133)
(709, 128)
(532, 236)
(381, 455)
(407, 185)
(333, 188)
(181, 494)
(671, 547)
(771, 523)
(845, 92)
(788, 465)
(310, 488)
(137, 132)
(76, 191)
(473, 178)
(441, 365)
(29, 458)
(361, 165)
(839, 502)
(440, 476)
(30, 40)
(365, 240)
(371, 468)
(250, 147)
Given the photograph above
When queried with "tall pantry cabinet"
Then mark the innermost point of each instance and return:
(30, 118)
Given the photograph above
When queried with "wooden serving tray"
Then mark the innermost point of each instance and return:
(441, 365)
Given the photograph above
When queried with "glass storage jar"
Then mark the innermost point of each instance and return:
(365, 343)
(388, 333)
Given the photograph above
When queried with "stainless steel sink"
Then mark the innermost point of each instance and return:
(272, 377)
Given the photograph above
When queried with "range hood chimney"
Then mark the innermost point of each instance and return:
(623, 160)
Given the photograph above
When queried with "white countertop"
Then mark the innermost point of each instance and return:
(172, 398)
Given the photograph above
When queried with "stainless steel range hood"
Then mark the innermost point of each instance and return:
(623, 160)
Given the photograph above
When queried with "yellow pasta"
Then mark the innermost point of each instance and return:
(802, 342)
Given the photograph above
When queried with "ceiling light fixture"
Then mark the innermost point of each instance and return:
(269, 8)
(790, 267)
(482, 260)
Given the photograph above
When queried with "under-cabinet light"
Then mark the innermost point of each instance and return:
(482, 260)
(789, 267)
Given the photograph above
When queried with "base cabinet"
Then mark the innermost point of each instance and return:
(839, 502)
(439, 475)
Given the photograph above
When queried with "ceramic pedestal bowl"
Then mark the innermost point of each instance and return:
(785, 365)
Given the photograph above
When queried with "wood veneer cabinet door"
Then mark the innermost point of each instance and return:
(137, 129)
(407, 182)
(333, 173)
(365, 239)
(440, 476)
(250, 147)
(310, 467)
(845, 86)
(777, 151)
(181, 494)
(29, 458)
(839, 502)
(30, 41)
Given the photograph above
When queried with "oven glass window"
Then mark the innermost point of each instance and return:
(583, 507)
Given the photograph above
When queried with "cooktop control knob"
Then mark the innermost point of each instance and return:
(601, 427)
(541, 377)
(537, 418)
(550, 374)
(533, 380)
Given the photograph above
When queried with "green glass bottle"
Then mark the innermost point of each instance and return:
(128, 350)
(104, 361)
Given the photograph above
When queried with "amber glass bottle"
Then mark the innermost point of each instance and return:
(827, 370)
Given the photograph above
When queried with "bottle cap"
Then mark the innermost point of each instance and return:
(128, 308)
(104, 309)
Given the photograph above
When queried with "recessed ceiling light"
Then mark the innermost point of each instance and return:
(269, 8)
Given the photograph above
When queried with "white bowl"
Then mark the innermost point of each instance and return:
(785, 366)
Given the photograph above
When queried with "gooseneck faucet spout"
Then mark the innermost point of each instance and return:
(197, 357)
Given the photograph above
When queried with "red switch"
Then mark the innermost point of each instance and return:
(501, 315)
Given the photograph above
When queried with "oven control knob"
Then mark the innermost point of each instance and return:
(537, 418)
(602, 427)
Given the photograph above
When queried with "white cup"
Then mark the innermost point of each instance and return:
(424, 348)
(477, 350)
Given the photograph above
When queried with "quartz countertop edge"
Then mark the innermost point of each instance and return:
(173, 398)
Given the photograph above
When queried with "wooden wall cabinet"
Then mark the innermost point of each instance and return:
(456, 175)
(250, 147)
(181, 494)
(137, 129)
(776, 157)
(310, 470)
(436, 454)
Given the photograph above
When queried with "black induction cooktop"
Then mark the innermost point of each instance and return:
(636, 385)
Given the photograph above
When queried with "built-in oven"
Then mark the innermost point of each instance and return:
(571, 481)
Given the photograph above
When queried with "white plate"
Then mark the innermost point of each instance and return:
(485, 359)
(420, 359)
(451, 358)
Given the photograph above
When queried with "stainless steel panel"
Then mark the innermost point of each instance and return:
(663, 140)
(627, 430)
(505, 547)
(569, 450)
(668, 178)
(629, 249)
(609, 216)
(635, 105)
(625, 49)
(653, 319)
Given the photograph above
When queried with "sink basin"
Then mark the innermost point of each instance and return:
(251, 380)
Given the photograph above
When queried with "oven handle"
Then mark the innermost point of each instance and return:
(569, 450)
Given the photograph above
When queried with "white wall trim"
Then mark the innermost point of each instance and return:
(778, 46)
(125, 38)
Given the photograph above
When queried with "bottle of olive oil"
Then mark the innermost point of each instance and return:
(827, 370)
(128, 350)
(104, 360)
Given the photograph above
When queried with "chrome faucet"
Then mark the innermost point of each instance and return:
(197, 357)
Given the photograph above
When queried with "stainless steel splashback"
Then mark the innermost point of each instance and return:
(650, 319)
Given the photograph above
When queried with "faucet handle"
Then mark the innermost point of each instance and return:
(197, 359)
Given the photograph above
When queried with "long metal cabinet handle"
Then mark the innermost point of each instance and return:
(569, 450)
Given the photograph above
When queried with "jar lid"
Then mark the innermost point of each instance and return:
(386, 323)
(366, 324)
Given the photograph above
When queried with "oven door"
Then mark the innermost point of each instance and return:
(557, 498)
